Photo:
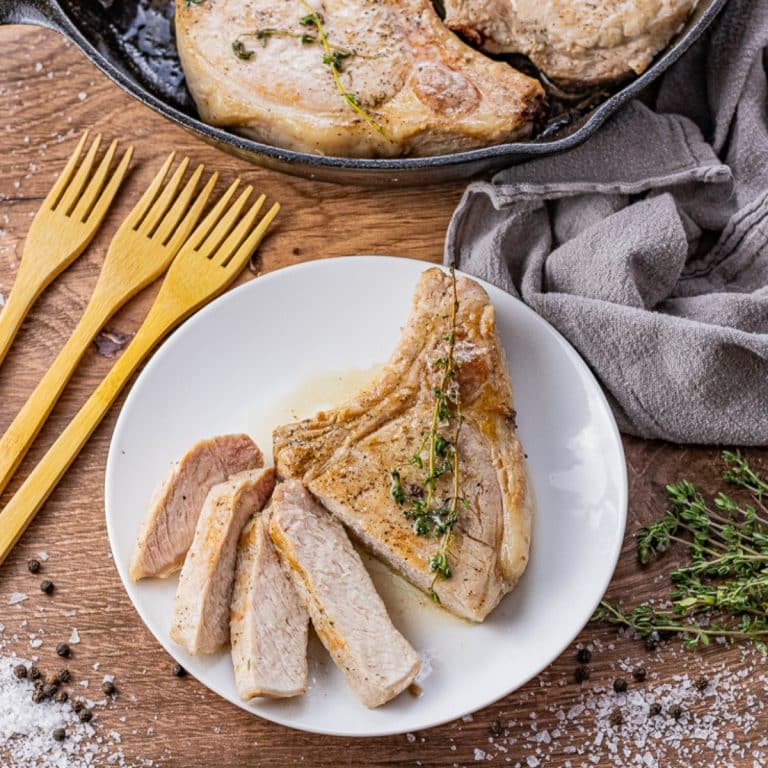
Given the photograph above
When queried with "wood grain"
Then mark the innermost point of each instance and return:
(48, 94)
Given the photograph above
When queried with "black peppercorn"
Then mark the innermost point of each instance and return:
(49, 690)
(85, 715)
(63, 676)
(78, 705)
(497, 729)
(581, 674)
(701, 683)
(34, 673)
(59, 734)
(639, 674)
(61, 697)
(654, 709)
(52, 678)
(33, 566)
(675, 711)
(63, 650)
(108, 687)
(20, 671)
(37, 694)
(178, 671)
(46, 586)
(619, 685)
(584, 656)
(651, 643)
(616, 719)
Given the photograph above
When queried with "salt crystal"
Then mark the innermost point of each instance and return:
(18, 597)
(43, 556)
(82, 95)
(74, 636)
(35, 643)
(532, 761)
(467, 718)
(479, 754)
(411, 737)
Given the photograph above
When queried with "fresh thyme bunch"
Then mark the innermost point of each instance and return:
(723, 590)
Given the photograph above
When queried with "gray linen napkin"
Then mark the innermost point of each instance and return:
(647, 246)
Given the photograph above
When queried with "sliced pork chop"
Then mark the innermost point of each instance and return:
(429, 91)
(166, 532)
(576, 43)
(201, 613)
(344, 456)
(268, 621)
(347, 612)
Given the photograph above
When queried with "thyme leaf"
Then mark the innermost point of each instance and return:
(240, 50)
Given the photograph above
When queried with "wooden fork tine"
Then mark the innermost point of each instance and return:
(221, 230)
(163, 202)
(181, 232)
(239, 233)
(245, 251)
(145, 201)
(101, 206)
(60, 185)
(207, 224)
(76, 186)
(94, 186)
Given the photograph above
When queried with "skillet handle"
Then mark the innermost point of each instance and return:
(42, 13)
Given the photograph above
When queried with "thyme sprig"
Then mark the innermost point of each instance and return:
(333, 61)
(430, 517)
(334, 56)
(723, 590)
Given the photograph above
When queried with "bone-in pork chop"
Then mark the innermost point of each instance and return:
(395, 61)
(201, 612)
(166, 532)
(576, 43)
(268, 621)
(347, 613)
(344, 456)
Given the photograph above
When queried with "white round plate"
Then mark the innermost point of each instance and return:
(311, 330)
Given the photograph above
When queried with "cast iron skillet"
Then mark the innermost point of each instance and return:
(131, 41)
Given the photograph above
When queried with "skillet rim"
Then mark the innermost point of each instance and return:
(54, 14)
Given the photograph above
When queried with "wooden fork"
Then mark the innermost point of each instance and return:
(139, 253)
(61, 230)
(207, 263)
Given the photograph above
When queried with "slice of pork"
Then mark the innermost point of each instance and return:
(169, 525)
(201, 614)
(347, 612)
(268, 622)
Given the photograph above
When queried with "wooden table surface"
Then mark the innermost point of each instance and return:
(48, 93)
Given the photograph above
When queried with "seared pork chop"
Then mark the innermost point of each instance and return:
(166, 532)
(395, 60)
(576, 43)
(344, 456)
(268, 621)
(201, 613)
(347, 612)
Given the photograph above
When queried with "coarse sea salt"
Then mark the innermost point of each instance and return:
(74, 636)
(26, 729)
(17, 597)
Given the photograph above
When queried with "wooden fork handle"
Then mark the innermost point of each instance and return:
(22, 508)
(17, 439)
